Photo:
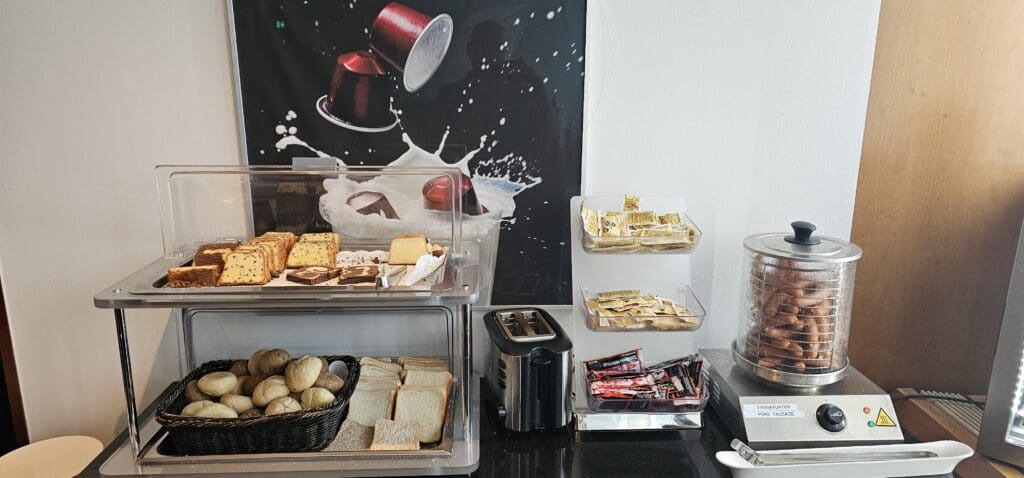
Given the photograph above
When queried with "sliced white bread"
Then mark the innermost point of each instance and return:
(395, 435)
(378, 382)
(376, 372)
(421, 361)
(428, 367)
(369, 361)
(352, 437)
(425, 406)
(365, 407)
(429, 378)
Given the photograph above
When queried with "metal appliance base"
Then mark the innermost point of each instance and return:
(772, 416)
(591, 421)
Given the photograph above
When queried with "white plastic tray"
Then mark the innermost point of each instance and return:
(950, 453)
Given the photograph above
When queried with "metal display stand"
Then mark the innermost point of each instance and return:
(617, 272)
(452, 298)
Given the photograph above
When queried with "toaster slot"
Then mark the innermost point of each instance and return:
(525, 325)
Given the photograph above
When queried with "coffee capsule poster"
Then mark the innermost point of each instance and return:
(494, 88)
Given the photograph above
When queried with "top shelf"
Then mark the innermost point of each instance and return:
(632, 224)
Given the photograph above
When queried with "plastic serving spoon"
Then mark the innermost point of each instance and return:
(802, 458)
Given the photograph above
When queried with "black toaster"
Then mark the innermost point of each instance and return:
(529, 369)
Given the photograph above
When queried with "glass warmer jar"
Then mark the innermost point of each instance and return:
(796, 304)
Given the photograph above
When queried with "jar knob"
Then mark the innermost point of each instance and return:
(802, 231)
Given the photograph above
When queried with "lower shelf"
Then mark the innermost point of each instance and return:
(591, 421)
(463, 458)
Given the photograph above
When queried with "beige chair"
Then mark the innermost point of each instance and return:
(54, 458)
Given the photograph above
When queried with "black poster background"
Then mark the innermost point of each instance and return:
(521, 61)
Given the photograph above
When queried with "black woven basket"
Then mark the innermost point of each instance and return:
(308, 430)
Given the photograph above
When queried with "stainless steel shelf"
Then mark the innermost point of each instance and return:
(458, 286)
(591, 421)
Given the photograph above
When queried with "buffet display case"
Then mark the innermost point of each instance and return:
(425, 314)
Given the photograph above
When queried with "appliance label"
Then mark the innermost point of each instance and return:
(772, 410)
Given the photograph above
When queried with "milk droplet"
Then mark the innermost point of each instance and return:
(471, 101)
(580, 59)
(292, 114)
(531, 14)
(531, 89)
(545, 79)
(555, 53)
(280, 129)
(516, 22)
(536, 60)
(551, 14)
(262, 152)
(502, 121)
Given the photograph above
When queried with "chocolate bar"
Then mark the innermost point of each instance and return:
(313, 275)
(358, 274)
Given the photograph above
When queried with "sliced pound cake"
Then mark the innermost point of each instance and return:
(195, 276)
(312, 253)
(245, 268)
(213, 254)
(322, 236)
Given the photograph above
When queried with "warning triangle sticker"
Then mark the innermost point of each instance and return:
(883, 419)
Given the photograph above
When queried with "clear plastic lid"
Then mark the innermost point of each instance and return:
(803, 246)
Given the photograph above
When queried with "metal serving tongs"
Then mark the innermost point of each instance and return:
(804, 458)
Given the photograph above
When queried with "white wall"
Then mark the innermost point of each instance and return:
(93, 95)
(754, 111)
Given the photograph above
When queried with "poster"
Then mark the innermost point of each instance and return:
(495, 84)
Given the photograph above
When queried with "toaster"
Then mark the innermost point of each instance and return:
(529, 369)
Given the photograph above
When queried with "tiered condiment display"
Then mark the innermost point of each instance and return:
(257, 244)
(631, 271)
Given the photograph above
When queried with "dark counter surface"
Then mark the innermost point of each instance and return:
(565, 453)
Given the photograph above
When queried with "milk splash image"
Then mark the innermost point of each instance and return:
(491, 179)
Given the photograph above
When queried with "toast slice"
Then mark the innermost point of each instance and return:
(422, 361)
(425, 406)
(195, 276)
(365, 407)
(245, 268)
(390, 366)
(429, 378)
(375, 371)
(352, 437)
(312, 253)
(395, 435)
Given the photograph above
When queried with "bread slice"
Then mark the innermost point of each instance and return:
(352, 437)
(395, 435)
(370, 361)
(425, 406)
(422, 361)
(268, 253)
(213, 254)
(365, 407)
(378, 372)
(407, 248)
(425, 367)
(277, 251)
(428, 378)
(245, 268)
(195, 276)
(322, 236)
(312, 253)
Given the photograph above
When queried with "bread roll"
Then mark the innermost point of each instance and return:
(253, 363)
(240, 385)
(193, 394)
(251, 413)
(272, 362)
(283, 405)
(302, 373)
(217, 410)
(216, 384)
(240, 367)
(237, 403)
(316, 397)
(250, 383)
(191, 409)
(330, 381)
(324, 365)
(267, 391)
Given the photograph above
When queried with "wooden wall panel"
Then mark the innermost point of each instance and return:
(940, 196)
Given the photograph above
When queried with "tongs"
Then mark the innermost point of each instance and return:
(804, 458)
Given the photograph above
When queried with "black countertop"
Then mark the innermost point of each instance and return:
(566, 453)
